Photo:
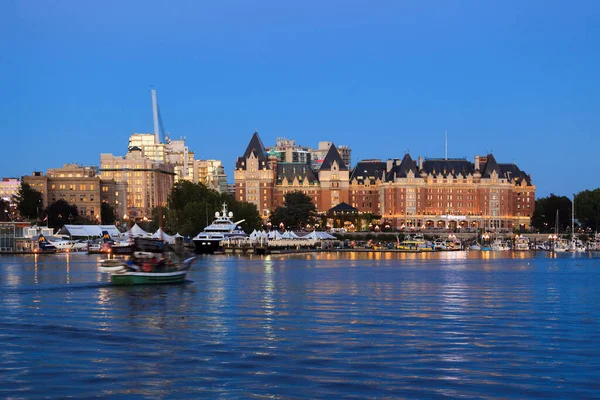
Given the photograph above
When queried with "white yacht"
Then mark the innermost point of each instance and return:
(500, 245)
(560, 245)
(521, 243)
(222, 228)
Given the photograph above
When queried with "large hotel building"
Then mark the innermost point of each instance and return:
(80, 186)
(426, 193)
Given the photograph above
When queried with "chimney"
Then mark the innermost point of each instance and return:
(476, 163)
(420, 165)
(388, 165)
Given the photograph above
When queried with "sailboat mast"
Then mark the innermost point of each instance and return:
(573, 221)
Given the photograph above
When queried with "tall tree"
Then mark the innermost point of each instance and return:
(587, 208)
(29, 202)
(298, 210)
(246, 211)
(107, 214)
(191, 207)
(544, 216)
(61, 212)
(4, 211)
(185, 192)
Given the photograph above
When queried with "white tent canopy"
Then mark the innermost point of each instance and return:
(137, 231)
(256, 235)
(275, 235)
(160, 234)
(177, 236)
(320, 236)
(289, 235)
(89, 230)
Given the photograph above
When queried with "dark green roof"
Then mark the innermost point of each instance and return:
(367, 170)
(448, 167)
(343, 208)
(333, 155)
(257, 148)
(302, 171)
(491, 166)
(401, 170)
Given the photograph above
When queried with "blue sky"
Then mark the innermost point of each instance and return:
(519, 78)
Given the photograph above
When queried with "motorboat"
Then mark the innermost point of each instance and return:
(152, 262)
(560, 246)
(112, 265)
(415, 245)
(521, 243)
(439, 244)
(221, 229)
(500, 245)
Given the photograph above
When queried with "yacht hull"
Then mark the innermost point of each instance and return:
(206, 246)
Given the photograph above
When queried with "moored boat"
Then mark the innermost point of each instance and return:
(521, 243)
(500, 245)
(415, 245)
(222, 228)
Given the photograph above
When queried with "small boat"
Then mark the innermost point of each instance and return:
(414, 245)
(500, 245)
(127, 278)
(521, 243)
(152, 262)
(112, 265)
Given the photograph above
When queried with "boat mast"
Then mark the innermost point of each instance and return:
(573, 222)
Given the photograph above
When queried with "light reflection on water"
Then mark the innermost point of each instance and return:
(477, 324)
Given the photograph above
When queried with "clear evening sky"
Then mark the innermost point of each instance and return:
(518, 78)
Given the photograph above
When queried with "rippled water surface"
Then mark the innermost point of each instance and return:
(306, 326)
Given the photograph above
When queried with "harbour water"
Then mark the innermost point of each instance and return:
(331, 325)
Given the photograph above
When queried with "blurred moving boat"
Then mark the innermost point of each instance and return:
(152, 262)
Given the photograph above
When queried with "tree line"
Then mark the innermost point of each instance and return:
(587, 212)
